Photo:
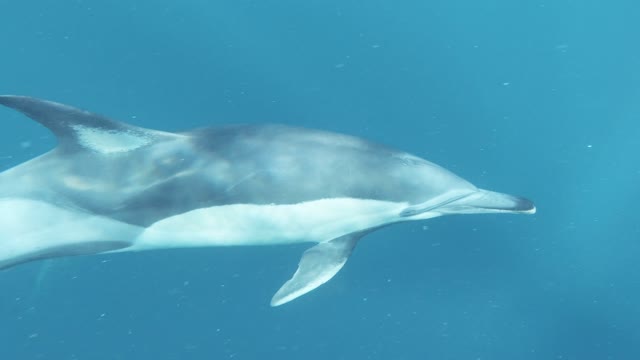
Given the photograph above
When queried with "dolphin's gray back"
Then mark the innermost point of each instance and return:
(242, 164)
(161, 174)
(263, 164)
(281, 164)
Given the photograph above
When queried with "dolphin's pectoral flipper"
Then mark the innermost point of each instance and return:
(79, 129)
(317, 266)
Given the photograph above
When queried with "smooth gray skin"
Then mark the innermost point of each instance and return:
(258, 164)
(173, 173)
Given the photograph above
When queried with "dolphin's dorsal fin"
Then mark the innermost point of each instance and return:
(77, 129)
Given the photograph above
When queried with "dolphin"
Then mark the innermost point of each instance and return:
(110, 187)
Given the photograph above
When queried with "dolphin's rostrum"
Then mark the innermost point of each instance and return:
(110, 187)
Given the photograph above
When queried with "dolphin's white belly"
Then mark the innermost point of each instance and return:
(250, 224)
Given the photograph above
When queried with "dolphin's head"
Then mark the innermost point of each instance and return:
(431, 190)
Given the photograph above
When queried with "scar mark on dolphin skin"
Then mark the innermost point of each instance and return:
(244, 179)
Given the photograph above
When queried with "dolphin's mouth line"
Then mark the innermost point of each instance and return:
(430, 205)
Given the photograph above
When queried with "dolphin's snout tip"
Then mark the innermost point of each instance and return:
(492, 201)
(524, 206)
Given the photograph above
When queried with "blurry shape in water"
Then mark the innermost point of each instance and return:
(43, 271)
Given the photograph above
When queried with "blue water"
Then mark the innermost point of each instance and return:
(534, 98)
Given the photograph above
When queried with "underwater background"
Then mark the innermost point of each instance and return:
(536, 98)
